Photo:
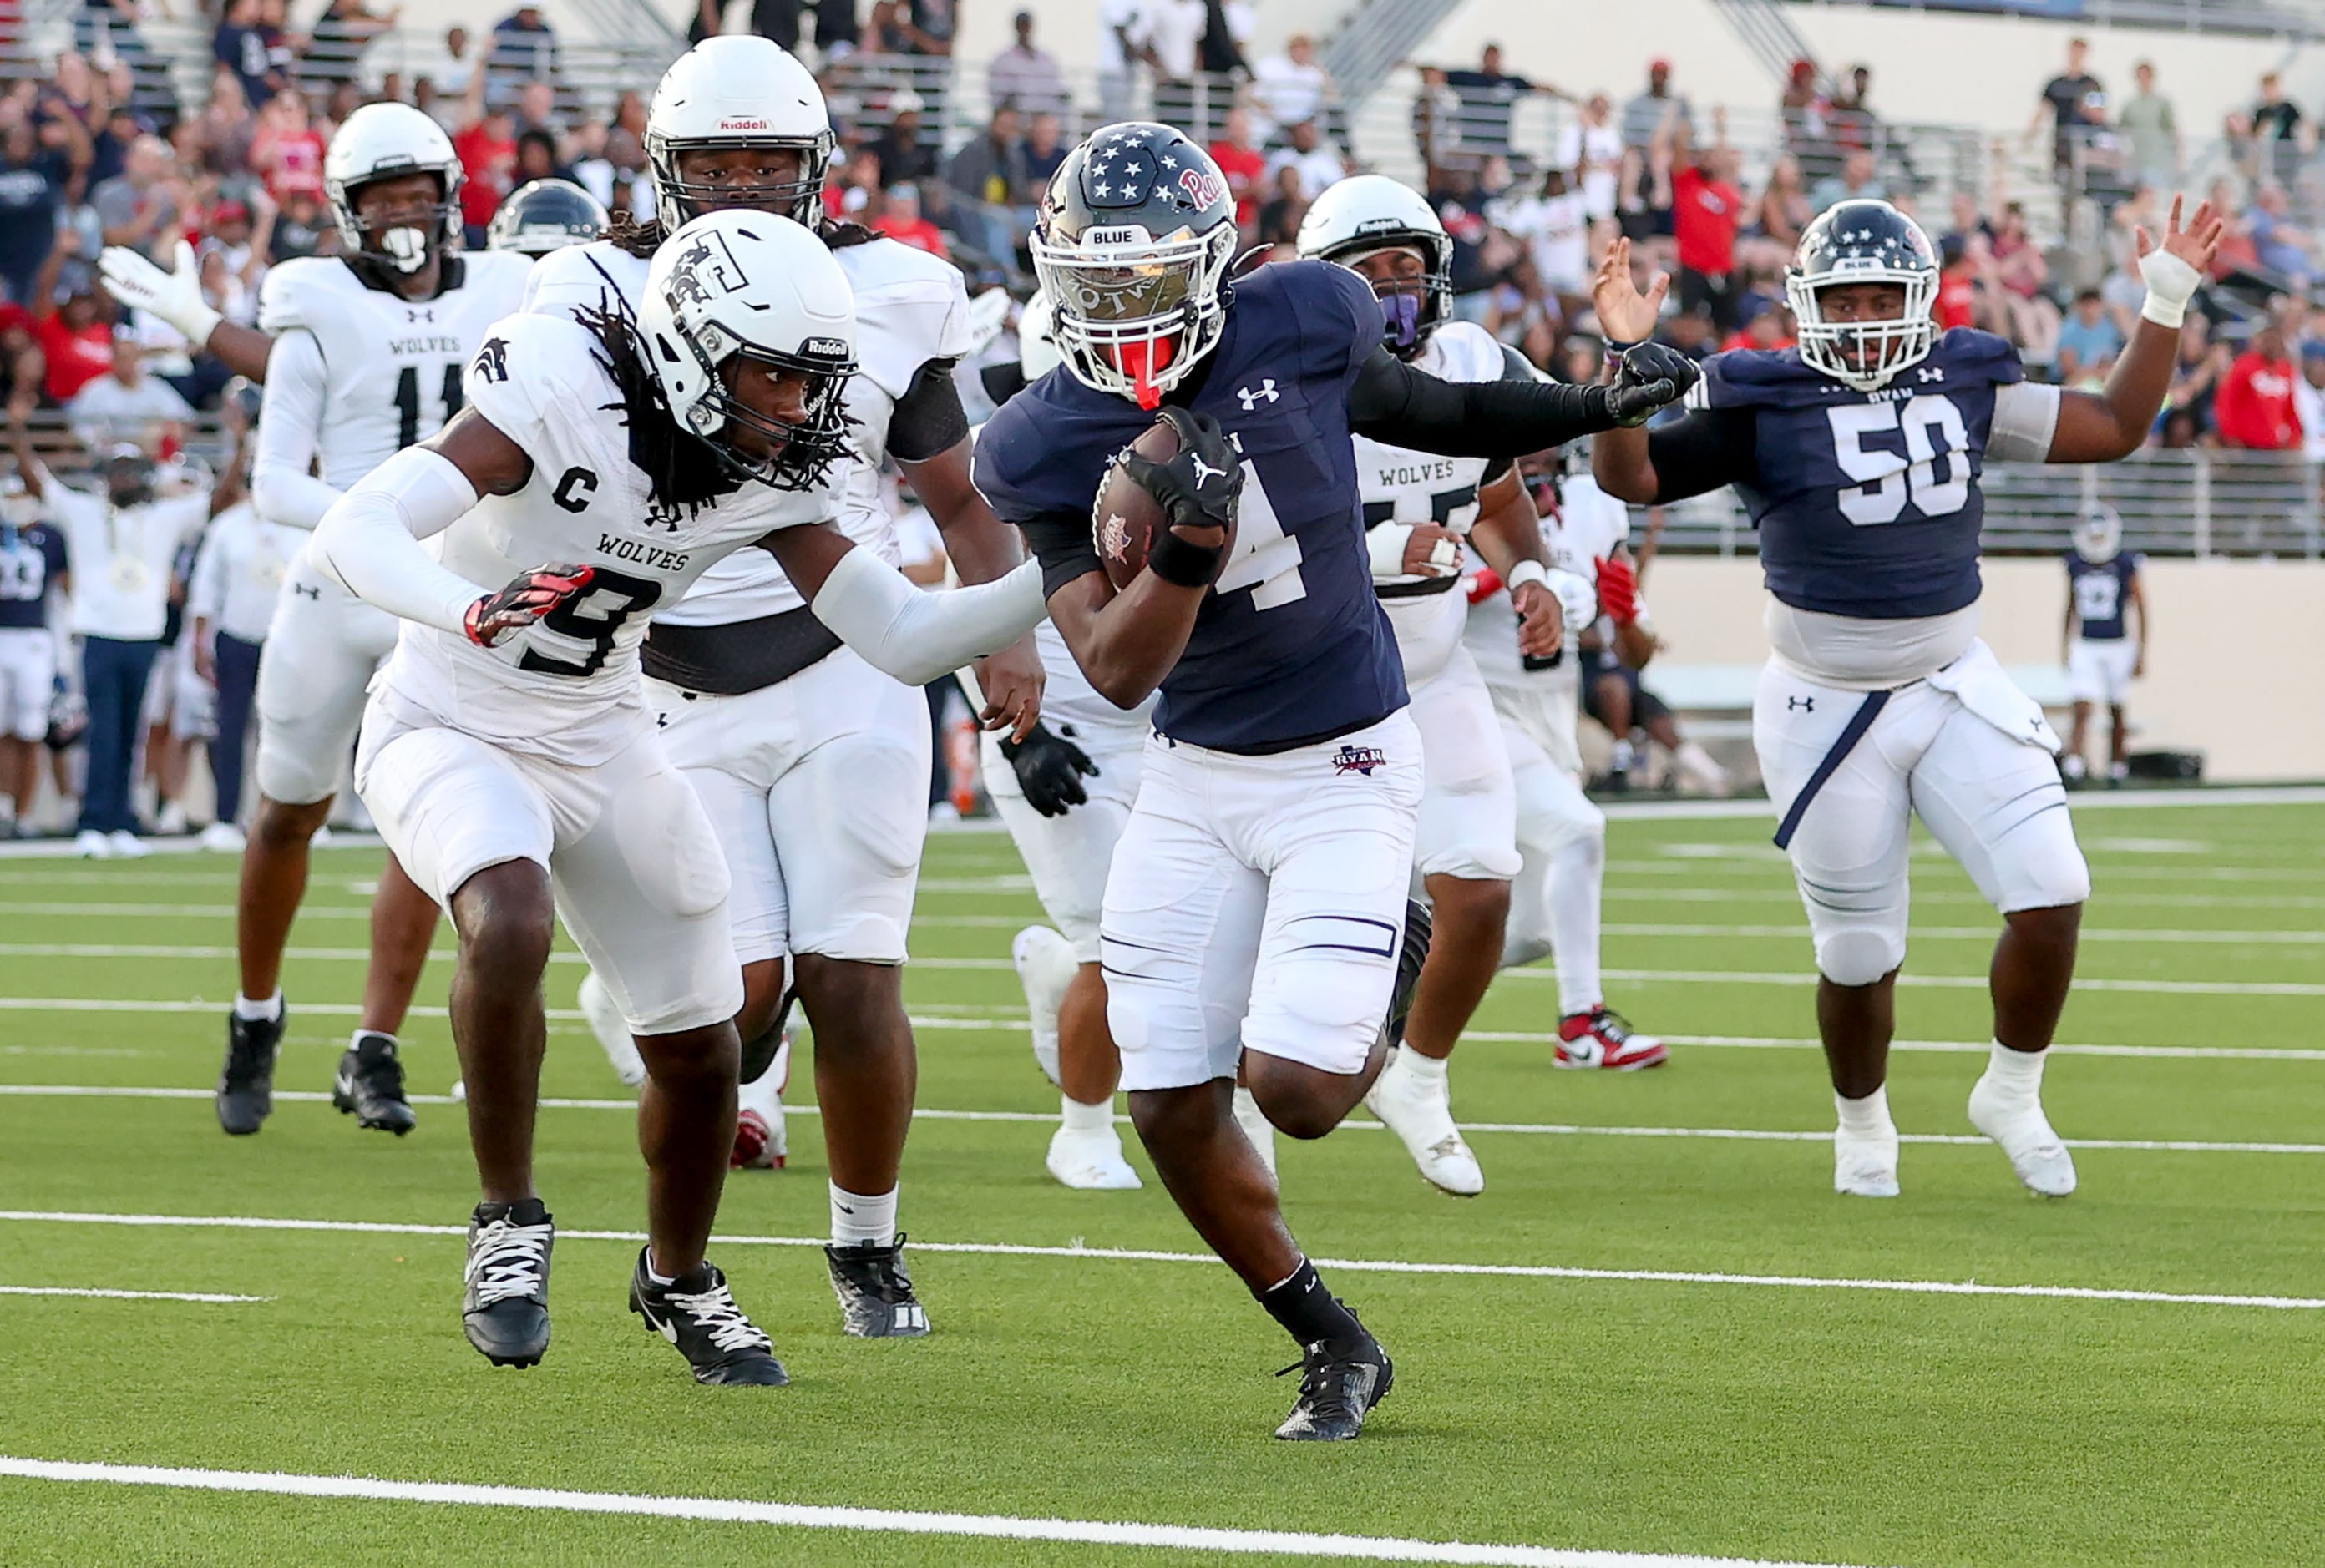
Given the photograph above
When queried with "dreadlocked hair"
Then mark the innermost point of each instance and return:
(636, 237)
(680, 470)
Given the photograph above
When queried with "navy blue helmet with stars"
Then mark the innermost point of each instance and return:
(1136, 234)
(1864, 242)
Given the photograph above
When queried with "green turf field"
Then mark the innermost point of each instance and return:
(1691, 1383)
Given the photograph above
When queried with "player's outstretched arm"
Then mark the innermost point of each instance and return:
(176, 297)
(983, 549)
(914, 636)
(2101, 427)
(1394, 403)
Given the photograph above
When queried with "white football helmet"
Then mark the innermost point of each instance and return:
(751, 285)
(2099, 537)
(1366, 214)
(1037, 345)
(381, 142)
(738, 91)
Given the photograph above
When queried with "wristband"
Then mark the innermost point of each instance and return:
(1526, 572)
(2171, 282)
(1183, 563)
(1616, 348)
(1385, 545)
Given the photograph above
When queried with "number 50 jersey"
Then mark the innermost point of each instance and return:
(392, 367)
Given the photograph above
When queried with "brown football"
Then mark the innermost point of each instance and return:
(1124, 518)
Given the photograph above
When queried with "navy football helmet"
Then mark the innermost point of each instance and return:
(545, 215)
(1135, 236)
(1864, 242)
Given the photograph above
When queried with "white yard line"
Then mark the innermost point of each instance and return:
(1944, 982)
(881, 1521)
(202, 1296)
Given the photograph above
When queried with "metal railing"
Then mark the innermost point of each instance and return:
(2299, 19)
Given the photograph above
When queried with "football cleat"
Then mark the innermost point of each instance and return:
(1340, 1383)
(505, 1306)
(613, 1030)
(1045, 967)
(697, 1313)
(2016, 1122)
(127, 845)
(1422, 1114)
(370, 1085)
(875, 1292)
(1091, 1161)
(1600, 1038)
(1865, 1164)
(761, 1142)
(246, 1089)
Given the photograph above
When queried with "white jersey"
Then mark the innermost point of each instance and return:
(1399, 485)
(910, 308)
(1544, 703)
(567, 688)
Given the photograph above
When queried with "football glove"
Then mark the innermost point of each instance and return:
(1049, 770)
(1618, 589)
(173, 297)
(1199, 486)
(1649, 377)
(526, 600)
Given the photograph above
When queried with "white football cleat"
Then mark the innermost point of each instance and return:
(223, 838)
(127, 845)
(1255, 1127)
(1420, 1113)
(1865, 1164)
(170, 822)
(612, 1029)
(1045, 968)
(761, 1141)
(2016, 1122)
(1091, 1161)
(90, 844)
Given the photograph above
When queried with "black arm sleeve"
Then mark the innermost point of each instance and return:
(1708, 448)
(1515, 368)
(1063, 547)
(1004, 379)
(1392, 403)
(929, 420)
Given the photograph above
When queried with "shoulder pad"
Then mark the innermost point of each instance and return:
(299, 293)
(910, 308)
(589, 277)
(531, 367)
(1743, 378)
(502, 273)
(1965, 354)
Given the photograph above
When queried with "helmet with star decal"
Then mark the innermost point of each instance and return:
(1136, 238)
(1850, 244)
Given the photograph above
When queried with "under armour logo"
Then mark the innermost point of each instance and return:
(308, 590)
(1802, 704)
(1932, 373)
(1266, 395)
(417, 313)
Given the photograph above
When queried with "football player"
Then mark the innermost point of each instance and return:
(811, 763)
(509, 753)
(544, 216)
(1858, 455)
(1418, 511)
(2103, 658)
(1256, 911)
(1555, 900)
(32, 565)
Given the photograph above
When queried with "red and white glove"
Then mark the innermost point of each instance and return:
(526, 600)
(1618, 589)
(1484, 586)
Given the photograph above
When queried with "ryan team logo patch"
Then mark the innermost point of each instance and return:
(1360, 759)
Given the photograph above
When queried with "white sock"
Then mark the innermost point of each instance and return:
(857, 1219)
(1577, 873)
(1865, 1117)
(2017, 1073)
(1076, 1117)
(251, 1012)
(1422, 1069)
(659, 1281)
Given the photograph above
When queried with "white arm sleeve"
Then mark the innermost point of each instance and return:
(2025, 414)
(371, 539)
(291, 413)
(918, 637)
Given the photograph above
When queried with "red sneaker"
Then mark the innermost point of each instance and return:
(755, 1144)
(1600, 1038)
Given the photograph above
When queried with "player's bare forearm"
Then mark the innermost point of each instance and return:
(2103, 426)
(1636, 645)
(1508, 529)
(243, 350)
(1619, 462)
(1126, 642)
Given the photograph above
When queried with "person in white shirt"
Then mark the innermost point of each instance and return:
(119, 405)
(1556, 229)
(1120, 27)
(123, 542)
(1320, 165)
(1591, 149)
(237, 579)
(1289, 87)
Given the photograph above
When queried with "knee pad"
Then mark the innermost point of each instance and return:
(1858, 955)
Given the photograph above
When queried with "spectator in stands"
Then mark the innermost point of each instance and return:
(2309, 400)
(302, 228)
(337, 41)
(109, 148)
(452, 68)
(1121, 25)
(73, 91)
(1045, 149)
(1280, 215)
(904, 156)
(286, 151)
(33, 184)
(1488, 95)
(1025, 76)
(1523, 315)
(1773, 225)
(223, 130)
(1591, 150)
(900, 220)
(1319, 164)
(1291, 86)
(777, 20)
(2281, 247)
(75, 339)
(2020, 275)
(536, 110)
(241, 46)
(988, 182)
(536, 159)
(2196, 376)
(2254, 409)
(1555, 228)
(486, 146)
(1171, 41)
(1850, 119)
(145, 205)
(1644, 116)
(1801, 106)
(2276, 130)
(2151, 129)
(1706, 208)
(523, 50)
(2075, 106)
(2088, 336)
(1238, 156)
(123, 402)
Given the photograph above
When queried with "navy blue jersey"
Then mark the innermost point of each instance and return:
(2101, 589)
(31, 559)
(1867, 504)
(1291, 646)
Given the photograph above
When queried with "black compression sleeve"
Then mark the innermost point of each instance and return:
(1708, 448)
(1062, 545)
(1394, 403)
(929, 420)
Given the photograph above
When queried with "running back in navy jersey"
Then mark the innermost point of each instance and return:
(2101, 590)
(31, 559)
(1867, 504)
(1291, 646)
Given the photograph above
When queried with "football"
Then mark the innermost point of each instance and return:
(1124, 518)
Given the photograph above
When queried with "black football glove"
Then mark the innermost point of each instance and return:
(1049, 770)
(1199, 487)
(1646, 378)
(526, 600)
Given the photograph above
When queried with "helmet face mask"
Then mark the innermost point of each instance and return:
(2099, 537)
(739, 96)
(1369, 216)
(1870, 335)
(391, 224)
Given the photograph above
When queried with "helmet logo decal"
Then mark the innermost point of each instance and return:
(742, 122)
(704, 271)
(826, 347)
(1202, 187)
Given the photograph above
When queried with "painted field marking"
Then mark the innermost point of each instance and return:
(1146, 1255)
(206, 1297)
(881, 1521)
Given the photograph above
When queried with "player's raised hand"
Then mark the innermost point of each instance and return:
(2196, 245)
(1199, 486)
(1049, 770)
(1649, 377)
(526, 600)
(1626, 315)
(175, 296)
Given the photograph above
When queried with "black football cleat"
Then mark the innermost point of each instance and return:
(876, 1293)
(246, 1089)
(505, 1308)
(1340, 1381)
(697, 1313)
(370, 1085)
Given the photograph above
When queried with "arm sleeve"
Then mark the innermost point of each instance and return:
(1063, 547)
(290, 415)
(2026, 417)
(1394, 403)
(371, 539)
(918, 637)
(1707, 449)
(929, 420)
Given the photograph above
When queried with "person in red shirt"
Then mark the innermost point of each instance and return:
(287, 150)
(74, 337)
(2255, 408)
(900, 220)
(1957, 303)
(487, 151)
(1704, 208)
(1246, 167)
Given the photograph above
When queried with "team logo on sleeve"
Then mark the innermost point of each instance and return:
(492, 359)
(1360, 759)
